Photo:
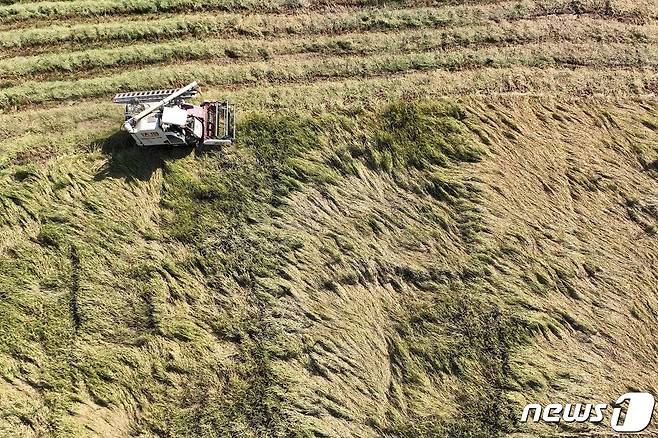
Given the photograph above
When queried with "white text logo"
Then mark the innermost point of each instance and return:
(637, 416)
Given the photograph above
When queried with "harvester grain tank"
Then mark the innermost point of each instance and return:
(163, 118)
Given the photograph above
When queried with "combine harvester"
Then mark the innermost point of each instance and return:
(162, 118)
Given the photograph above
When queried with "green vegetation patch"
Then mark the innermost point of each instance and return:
(230, 189)
(455, 332)
(419, 134)
(221, 208)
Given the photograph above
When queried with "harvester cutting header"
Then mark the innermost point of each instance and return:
(161, 117)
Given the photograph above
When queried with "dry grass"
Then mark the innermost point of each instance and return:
(199, 267)
(413, 240)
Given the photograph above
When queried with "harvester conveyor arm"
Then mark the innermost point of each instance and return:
(130, 123)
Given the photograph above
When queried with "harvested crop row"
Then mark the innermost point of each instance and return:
(264, 25)
(230, 24)
(28, 14)
(94, 8)
(13, 2)
(285, 70)
(353, 94)
(26, 2)
(575, 30)
(217, 49)
(51, 120)
(255, 25)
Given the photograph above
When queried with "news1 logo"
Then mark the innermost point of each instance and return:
(638, 412)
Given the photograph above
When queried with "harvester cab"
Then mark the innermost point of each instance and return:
(162, 118)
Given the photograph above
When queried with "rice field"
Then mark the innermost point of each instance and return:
(435, 213)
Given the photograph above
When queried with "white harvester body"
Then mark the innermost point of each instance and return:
(161, 118)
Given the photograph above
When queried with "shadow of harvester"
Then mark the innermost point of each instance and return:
(131, 162)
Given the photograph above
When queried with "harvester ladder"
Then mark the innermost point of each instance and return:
(150, 96)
